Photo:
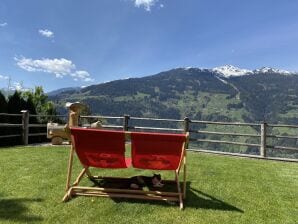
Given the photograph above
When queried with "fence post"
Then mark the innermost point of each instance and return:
(25, 126)
(186, 124)
(263, 139)
(125, 122)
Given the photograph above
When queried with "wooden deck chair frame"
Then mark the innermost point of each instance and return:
(74, 188)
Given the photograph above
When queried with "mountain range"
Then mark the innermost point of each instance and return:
(224, 93)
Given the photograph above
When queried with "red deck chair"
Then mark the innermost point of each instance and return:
(95, 148)
(100, 148)
(161, 151)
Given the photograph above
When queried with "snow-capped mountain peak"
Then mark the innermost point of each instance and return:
(230, 70)
(271, 70)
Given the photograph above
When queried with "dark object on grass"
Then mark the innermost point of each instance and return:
(138, 182)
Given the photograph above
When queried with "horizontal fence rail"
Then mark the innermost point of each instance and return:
(155, 119)
(242, 155)
(282, 126)
(37, 134)
(187, 125)
(101, 117)
(225, 123)
(224, 142)
(11, 115)
(37, 125)
(43, 115)
(9, 136)
(112, 126)
(282, 147)
(10, 125)
(282, 136)
(223, 133)
(156, 129)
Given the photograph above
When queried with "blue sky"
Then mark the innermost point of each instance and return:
(62, 43)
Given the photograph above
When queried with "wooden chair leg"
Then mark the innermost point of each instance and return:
(179, 190)
(80, 177)
(88, 173)
(70, 161)
(184, 178)
(67, 195)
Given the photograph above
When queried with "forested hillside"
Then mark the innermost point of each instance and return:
(197, 93)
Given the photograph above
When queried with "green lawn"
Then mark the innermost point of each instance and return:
(220, 190)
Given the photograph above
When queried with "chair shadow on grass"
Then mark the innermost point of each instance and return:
(15, 209)
(198, 199)
(194, 199)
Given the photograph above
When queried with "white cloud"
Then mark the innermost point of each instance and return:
(147, 4)
(59, 67)
(82, 75)
(3, 24)
(4, 77)
(46, 33)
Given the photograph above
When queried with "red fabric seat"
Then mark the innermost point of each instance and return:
(157, 151)
(100, 148)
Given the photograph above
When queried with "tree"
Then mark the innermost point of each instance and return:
(15, 104)
(3, 103)
(40, 101)
(3, 107)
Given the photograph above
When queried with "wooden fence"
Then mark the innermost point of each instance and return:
(186, 125)
(25, 125)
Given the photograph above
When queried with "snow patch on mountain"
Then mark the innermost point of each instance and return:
(230, 70)
(224, 81)
(272, 70)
